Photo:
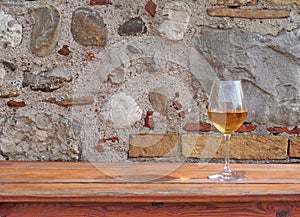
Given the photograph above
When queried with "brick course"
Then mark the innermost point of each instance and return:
(153, 145)
(242, 147)
(295, 147)
(207, 146)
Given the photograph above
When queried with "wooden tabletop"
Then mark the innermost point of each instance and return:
(144, 182)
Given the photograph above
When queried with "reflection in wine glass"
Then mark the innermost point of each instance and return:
(227, 111)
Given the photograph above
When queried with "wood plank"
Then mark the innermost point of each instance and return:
(143, 182)
(234, 192)
(150, 209)
(153, 166)
(140, 172)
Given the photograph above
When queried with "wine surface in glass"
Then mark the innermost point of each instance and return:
(227, 122)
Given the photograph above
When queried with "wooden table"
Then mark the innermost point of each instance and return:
(46, 189)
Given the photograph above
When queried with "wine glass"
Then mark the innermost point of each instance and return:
(227, 111)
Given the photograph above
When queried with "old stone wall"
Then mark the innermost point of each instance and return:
(116, 80)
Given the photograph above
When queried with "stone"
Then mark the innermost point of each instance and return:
(87, 100)
(159, 101)
(88, 28)
(10, 31)
(271, 85)
(288, 41)
(201, 69)
(47, 81)
(159, 60)
(113, 67)
(2, 76)
(153, 145)
(9, 65)
(133, 49)
(8, 88)
(117, 76)
(33, 135)
(177, 11)
(208, 146)
(133, 26)
(249, 13)
(178, 17)
(121, 110)
(45, 31)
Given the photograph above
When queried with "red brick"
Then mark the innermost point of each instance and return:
(151, 8)
(181, 114)
(12, 103)
(149, 122)
(248, 13)
(278, 130)
(99, 148)
(100, 2)
(246, 128)
(176, 105)
(205, 127)
(112, 139)
(90, 56)
(199, 127)
(236, 2)
(283, 2)
(65, 51)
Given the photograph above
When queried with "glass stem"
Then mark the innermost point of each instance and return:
(227, 170)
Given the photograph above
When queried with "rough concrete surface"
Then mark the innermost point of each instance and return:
(138, 65)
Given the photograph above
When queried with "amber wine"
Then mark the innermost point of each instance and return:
(227, 121)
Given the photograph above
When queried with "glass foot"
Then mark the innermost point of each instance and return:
(233, 176)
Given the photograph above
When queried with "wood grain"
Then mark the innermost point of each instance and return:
(24, 192)
(280, 209)
(146, 189)
(140, 172)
